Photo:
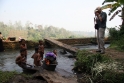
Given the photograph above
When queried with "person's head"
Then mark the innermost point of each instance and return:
(95, 12)
(36, 49)
(22, 41)
(0, 33)
(98, 10)
(23, 52)
(40, 42)
(55, 52)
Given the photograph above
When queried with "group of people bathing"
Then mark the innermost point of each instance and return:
(38, 56)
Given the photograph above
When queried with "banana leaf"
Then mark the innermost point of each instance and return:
(109, 1)
(117, 12)
(106, 6)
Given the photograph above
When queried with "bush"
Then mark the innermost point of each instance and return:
(109, 76)
(99, 68)
(113, 34)
(86, 60)
(117, 38)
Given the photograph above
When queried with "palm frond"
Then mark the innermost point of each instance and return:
(106, 1)
(114, 7)
(117, 12)
(103, 2)
(106, 6)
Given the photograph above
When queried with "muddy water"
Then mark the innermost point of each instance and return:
(65, 64)
(7, 60)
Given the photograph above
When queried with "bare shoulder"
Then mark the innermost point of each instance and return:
(18, 57)
(38, 54)
(35, 55)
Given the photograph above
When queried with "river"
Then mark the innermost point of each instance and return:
(7, 59)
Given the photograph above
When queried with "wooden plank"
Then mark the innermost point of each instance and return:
(62, 45)
(55, 77)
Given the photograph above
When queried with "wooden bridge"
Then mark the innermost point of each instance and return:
(61, 45)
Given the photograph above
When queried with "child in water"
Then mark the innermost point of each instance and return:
(21, 59)
(23, 45)
(41, 48)
(55, 52)
(50, 57)
(36, 56)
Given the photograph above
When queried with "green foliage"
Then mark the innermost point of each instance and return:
(86, 60)
(99, 68)
(119, 1)
(109, 76)
(115, 5)
(113, 34)
(33, 33)
(5, 76)
(117, 38)
(114, 77)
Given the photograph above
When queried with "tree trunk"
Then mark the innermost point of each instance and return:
(122, 26)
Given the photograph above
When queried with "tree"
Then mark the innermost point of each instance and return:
(114, 5)
(117, 35)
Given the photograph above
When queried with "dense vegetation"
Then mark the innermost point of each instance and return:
(116, 36)
(30, 32)
(97, 68)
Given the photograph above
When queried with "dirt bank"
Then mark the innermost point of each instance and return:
(115, 54)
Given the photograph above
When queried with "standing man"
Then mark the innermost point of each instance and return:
(101, 21)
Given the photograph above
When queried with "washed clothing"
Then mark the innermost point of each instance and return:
(51, 54)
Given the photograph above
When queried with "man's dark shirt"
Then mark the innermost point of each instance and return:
(102, 24)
